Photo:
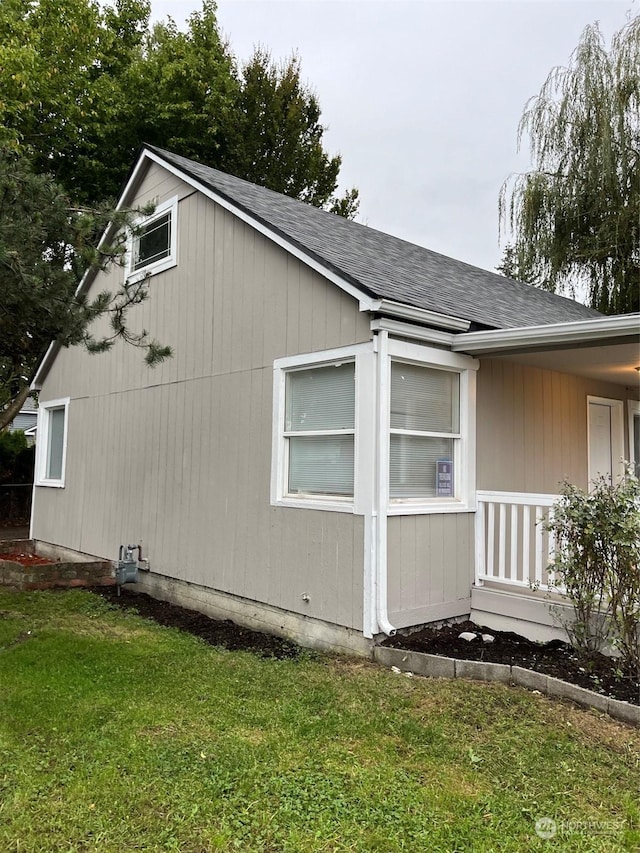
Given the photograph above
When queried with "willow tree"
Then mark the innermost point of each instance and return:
(574, 219)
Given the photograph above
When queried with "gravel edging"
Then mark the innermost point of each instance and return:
(436, 666)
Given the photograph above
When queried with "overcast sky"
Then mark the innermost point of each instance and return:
(420, 97)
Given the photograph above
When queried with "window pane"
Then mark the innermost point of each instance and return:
(413, 468)
(56, 444)
(424, 399)
(321, 465)
(154, 242)
(321, 398)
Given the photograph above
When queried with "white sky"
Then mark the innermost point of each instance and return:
(421, 98)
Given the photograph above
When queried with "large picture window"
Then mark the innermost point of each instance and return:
(52, 443)
(424, 431)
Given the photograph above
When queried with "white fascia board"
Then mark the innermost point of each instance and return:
(418, 315)
(263, 229)
(408, 330)
(575, 333)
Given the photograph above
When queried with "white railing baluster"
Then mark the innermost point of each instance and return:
(481, 544)
(491, 537)
(526, 555)
(539, 547)
(513, 564)
(551, 546)
(502, 543)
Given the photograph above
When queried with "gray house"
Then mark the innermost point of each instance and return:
(26, 420)
(355, 435)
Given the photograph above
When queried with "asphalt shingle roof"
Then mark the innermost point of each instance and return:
(386, 267)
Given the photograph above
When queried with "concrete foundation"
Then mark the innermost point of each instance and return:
(308, 632)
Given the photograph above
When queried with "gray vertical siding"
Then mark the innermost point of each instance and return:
(532, 426)
(180, 456)
(430, 566)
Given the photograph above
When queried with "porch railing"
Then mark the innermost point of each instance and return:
(512, 545)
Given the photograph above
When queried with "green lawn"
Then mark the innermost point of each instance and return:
(118, 735)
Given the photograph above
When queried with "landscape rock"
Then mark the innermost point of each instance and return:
(468, 635)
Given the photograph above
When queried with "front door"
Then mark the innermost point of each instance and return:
(605, 437)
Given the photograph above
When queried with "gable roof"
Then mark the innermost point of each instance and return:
(386, 267)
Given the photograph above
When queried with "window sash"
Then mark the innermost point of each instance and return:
(55, 443)
(321, 398)
(425, 432)
(51, 450)
(153, 244)
(413, 466)
(424, 399)
(319, 430)
(321, 465)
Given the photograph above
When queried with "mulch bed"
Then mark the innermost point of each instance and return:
(225, 634)
(558, 659)
(26, 559)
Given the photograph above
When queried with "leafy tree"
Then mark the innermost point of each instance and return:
(46, 246)
(63, 88)
(16, 458)
(575, 218)
(278, 136)
(82, 88)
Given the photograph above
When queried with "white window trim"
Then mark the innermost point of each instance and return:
(464, 466)
(42, 445)
(617, 435)
(633, 410)
(362, 356)
(132, 276)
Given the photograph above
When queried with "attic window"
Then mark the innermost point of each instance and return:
(153, 244)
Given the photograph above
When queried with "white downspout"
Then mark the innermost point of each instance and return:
(381, 500)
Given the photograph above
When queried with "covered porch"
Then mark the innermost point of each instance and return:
(554, 404)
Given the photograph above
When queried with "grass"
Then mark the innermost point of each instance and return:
(117, 735)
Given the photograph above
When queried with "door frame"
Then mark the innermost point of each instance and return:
(616, 408)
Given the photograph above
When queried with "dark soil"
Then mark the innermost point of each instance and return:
(558, 659)
(225, 634)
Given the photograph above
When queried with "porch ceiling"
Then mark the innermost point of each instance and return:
(614, 363)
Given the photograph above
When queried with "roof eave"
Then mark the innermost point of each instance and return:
(587, 333)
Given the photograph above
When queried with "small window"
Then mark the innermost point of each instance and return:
(424, 432)
(152, 248)
(319, 430)
(153, 244)
(52, 443)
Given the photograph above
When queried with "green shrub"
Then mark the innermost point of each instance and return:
(16, 458)
(597, 562)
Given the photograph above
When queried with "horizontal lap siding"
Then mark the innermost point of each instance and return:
(532, 426)
(430, 562)
(180, 456)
